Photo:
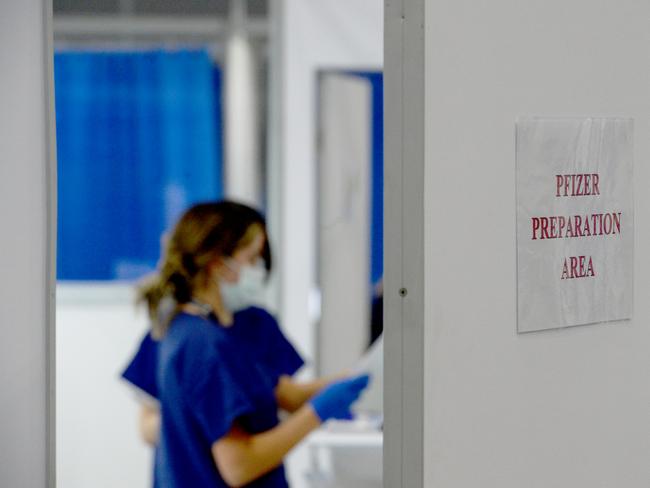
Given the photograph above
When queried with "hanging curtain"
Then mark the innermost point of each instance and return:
(377, 212)
(139, 140)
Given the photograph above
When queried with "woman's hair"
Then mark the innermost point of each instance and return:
(205, 232)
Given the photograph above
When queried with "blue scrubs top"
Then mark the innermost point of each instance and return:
(207, 376)
(141, 371)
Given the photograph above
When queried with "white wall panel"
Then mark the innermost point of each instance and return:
(344, 224)
(98, 441)
(27, 210)
(550, 409)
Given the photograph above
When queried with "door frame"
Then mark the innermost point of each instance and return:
(404, 146)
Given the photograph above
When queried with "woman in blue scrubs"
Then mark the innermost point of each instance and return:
(222, 369)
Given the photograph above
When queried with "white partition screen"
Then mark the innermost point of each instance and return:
(554, 408)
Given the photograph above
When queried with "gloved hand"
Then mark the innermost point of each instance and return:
(334, 401)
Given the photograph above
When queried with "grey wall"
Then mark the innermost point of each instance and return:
(569, 408)
(26, 214)
(564, 408)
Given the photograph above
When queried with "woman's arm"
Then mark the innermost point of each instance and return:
(292, 395)
(242, 458)
(149, 424)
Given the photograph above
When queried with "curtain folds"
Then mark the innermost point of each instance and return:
(139, 140)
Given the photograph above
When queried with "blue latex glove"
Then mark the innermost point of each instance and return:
(334, 401)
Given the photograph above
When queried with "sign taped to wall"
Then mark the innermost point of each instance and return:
(575, 222)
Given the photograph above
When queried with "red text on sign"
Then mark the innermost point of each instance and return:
(577, 267)
(576, 185)
(559, 227)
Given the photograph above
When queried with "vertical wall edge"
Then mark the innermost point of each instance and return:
(50, 213)
(404, 72)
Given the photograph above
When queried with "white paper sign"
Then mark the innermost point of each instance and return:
(575, 222)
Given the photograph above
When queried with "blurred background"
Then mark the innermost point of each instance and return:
(163, 103)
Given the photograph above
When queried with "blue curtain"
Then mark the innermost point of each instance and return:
(139, 140)
(377, 216)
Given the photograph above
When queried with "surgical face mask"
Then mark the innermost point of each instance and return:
(247, 291)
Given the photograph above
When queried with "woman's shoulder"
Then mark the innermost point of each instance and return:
(262, 334)
(257, 316)
(259, 326)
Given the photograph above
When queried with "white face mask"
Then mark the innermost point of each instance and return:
(247, 291)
